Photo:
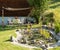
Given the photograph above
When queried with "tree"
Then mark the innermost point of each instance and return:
(38, 8)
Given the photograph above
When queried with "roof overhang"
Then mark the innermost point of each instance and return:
(14, 7)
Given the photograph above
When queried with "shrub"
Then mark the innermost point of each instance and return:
(45, 33)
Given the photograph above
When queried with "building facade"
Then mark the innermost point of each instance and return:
(22, 14)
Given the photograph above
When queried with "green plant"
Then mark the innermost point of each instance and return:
(45, 33)
(38, 8)
(57, 27)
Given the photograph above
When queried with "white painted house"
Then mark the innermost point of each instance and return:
(12, 8)
(7, 18)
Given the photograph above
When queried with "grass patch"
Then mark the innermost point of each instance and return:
(56, 48)
(6, 45)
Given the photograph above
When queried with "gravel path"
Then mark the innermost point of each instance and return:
(23, 45)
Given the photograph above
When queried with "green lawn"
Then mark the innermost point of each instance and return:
(5, 34)
(56, 48)
(6, 45)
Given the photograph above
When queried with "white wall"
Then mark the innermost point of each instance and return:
(6, 19)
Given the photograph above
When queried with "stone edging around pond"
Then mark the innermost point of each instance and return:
(23, 45)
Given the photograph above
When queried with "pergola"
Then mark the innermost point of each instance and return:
(14, 8)
(11, 9)
(14, 4)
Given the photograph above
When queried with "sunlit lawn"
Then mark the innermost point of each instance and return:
(6, 45)
(56, 48)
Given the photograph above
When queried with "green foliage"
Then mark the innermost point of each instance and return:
(57, 19)
(38, 7)
(45, 33)
(57, 27)
(49, 18)
(39, 4)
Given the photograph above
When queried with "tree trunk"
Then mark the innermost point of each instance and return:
(37, 19)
